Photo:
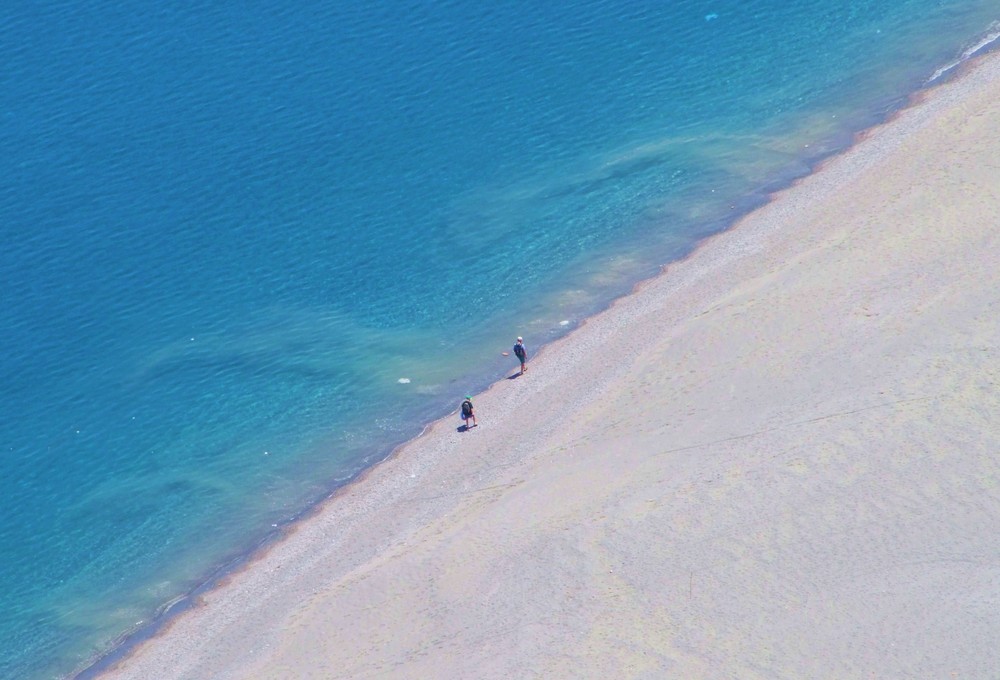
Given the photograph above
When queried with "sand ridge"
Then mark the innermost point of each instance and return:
(776, 460)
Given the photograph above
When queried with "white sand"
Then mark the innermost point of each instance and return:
(780, 459)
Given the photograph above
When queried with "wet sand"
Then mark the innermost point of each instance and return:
(779, 459)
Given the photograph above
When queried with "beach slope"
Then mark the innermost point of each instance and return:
(779, 459)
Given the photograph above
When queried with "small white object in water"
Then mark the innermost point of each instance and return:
(564, 322)
(265, 453)
(403, 381)
(711, 17)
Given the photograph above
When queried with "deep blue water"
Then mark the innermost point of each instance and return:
(229, 230)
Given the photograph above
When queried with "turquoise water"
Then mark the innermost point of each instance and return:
(229, 232)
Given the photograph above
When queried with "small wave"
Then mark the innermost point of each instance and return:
(991, 36)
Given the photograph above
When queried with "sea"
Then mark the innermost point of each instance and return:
(248, 249)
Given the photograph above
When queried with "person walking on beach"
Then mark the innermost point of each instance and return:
(522, 354)
(468, 412)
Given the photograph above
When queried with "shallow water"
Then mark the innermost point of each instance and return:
(229, 234)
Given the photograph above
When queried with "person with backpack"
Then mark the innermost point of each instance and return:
(522, 354)
(468, 412)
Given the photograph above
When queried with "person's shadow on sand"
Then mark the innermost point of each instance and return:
(514, 376)
(463, 428)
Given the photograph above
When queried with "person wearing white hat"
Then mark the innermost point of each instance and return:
(468, 412)
(522, 354)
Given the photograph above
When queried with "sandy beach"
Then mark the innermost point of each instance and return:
(778, 459)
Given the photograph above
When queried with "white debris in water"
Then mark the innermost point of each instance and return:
(403, 381)
(564, 322)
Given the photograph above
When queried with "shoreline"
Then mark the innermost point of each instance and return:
(738, 245)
